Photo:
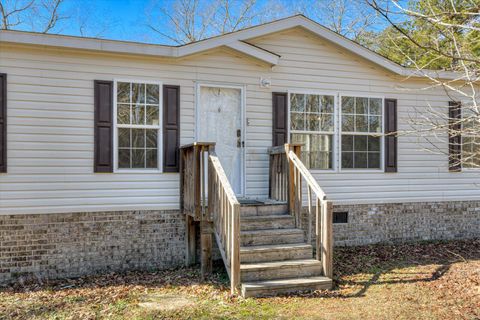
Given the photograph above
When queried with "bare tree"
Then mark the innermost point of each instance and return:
(353, 19)
(39, 15)
(441, 34)
(192, 20)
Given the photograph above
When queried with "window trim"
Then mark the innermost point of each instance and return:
(335, 125)
(382, 135)
(159, 128)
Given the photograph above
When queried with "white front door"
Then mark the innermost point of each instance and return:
(219, 120)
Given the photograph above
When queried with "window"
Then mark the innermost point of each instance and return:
(312, 124)
(361, 131)
(470, 142)
(138, 125)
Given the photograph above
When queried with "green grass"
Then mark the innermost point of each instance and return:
(411, 281)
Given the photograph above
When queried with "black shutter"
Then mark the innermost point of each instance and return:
(3, 123)
(171, 128)
(390, 135)
(454, 136)
(103, 149)
(280, 118)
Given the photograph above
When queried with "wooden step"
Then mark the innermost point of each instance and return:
(276, 252)
(263, 209)
(288, 269)
(271, 236)
(284, 221)
(283, 286)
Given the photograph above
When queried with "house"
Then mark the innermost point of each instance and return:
(106, 151)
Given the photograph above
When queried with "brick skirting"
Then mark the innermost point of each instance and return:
(76, 244)
(400, 222)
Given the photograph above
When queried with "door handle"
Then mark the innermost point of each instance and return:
(239, 138)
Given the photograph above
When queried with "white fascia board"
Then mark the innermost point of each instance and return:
(87, 43)
(255, 52)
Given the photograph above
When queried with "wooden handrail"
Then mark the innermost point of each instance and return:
(287, 172)
(218, 207)
(224, 209)
(312, 183)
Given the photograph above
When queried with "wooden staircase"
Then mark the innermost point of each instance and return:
(265, 248)
(274, 255)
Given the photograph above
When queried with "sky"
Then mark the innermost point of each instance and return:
(129, 19)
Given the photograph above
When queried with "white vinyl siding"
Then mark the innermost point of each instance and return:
(310, 64)
(50, 125)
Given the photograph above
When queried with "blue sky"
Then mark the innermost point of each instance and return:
(129, 19)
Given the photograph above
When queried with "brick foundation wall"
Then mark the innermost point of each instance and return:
(401, 222)
(75, 244)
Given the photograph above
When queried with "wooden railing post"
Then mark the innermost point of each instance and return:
(327, 238)
(235, 241)
(318, 231)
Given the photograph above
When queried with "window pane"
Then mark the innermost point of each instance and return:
(152, 93)
(320, 142)
(348, 123)
(320, 160)
(316, 150)
(360, 160)
(151, 138)
(123, 138)
(152, 115)
(374, 160)
(138, 138)
(374, 124)
(123, 92)
(348, 104)
(347, 160)
(123, 113)
(347, 143)
(138, 114)
(313, 103)
(361, 105)
(138, 93)
(360, 143)
(124, 158)
(297, 121)
(138, 158)
(470, 152)
(375, 106)
(327, 103)
(297, 102)
(152, 161)
(326, 122)
(373, 143)
(361, 123)
(313, 122)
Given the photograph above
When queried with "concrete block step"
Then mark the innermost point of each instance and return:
(275, 252)
(263, 209)
(284, 286)
(271, 236)
(288, 269)
(283, 221)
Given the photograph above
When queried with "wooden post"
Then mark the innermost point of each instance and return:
(235, 241)
(291, 181)
(196, 182)
(206, 247)
(190, 239)
(318, 233)
(327, 238)
(182, 177)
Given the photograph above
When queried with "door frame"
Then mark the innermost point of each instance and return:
(242, 89)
